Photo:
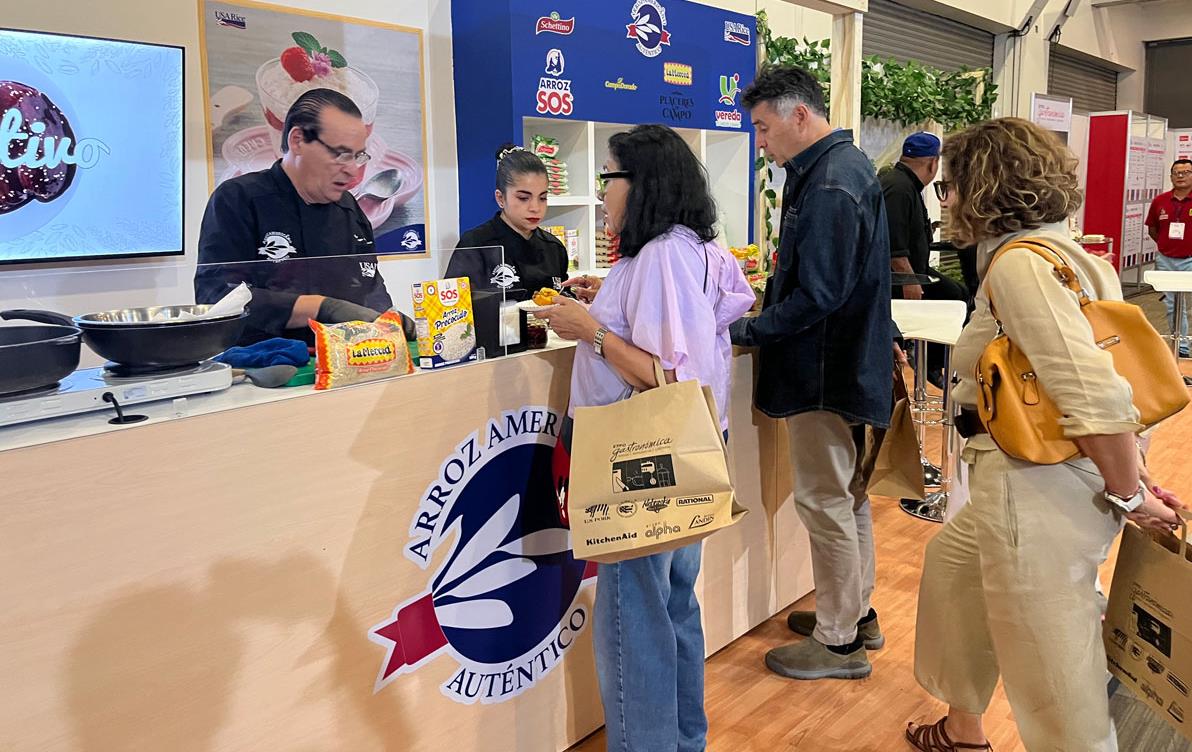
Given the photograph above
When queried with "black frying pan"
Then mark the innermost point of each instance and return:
(162, 345)
(36, 356)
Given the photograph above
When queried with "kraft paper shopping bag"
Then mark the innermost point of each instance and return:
(649, 473)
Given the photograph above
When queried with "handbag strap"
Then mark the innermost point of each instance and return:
(1044, 248)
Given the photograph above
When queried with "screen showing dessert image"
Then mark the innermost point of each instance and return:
(91, 151)
(260, 58)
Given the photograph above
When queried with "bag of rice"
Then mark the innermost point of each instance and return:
(446, 326)
(357, 351)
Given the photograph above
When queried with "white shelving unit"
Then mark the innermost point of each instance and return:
(584, 148)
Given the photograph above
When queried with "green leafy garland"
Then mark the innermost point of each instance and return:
(904, 93)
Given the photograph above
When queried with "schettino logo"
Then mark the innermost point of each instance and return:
(488, 528)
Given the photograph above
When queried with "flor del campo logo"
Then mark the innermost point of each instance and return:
(503, 601)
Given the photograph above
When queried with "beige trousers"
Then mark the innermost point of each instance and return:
(829, 488)
(1009, 588)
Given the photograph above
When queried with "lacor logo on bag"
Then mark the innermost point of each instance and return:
(644, 473)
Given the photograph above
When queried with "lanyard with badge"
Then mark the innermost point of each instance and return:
(1175, 230)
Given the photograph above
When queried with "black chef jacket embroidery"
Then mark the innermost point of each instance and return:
(538, 262)
(260, 217)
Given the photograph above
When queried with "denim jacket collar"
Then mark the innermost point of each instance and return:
(805, 160)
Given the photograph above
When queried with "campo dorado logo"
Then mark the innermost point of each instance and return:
(503, 601)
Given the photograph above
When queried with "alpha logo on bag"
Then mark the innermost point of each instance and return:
(491, 515)
(662, 530)
(644, 473)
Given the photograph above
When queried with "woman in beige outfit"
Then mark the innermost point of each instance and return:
(1009, 585)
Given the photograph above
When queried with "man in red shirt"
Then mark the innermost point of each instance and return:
(1169, 223)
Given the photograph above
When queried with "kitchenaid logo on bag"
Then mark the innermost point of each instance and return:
(648, 27)
(488, 528)
(554, 24)
(39, 156)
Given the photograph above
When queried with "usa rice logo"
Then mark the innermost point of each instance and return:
(504, 599)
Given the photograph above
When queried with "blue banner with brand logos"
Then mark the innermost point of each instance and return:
(621, 61)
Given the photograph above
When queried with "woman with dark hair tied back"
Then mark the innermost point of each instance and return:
(671, 296)
(510, 251)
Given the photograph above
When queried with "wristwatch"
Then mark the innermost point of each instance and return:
(598, 341)
(1124, 503)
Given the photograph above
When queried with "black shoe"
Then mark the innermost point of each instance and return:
(936, 379)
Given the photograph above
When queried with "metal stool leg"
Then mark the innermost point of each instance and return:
(921, 405)
(935, 506)
(1177, 326)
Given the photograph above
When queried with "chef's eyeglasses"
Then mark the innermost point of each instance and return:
(603, 178)
(345, 156)
(942, 188)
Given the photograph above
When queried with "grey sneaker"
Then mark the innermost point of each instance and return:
(803, 623)
(811, 659)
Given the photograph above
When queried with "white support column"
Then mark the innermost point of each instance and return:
(846, 71)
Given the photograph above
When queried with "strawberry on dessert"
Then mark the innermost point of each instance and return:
(296, 61)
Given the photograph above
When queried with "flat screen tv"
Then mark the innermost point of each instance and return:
(91, 148)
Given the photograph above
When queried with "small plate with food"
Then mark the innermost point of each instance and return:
(543, 300)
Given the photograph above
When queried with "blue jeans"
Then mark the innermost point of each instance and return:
(650, 653)
(1168, 264)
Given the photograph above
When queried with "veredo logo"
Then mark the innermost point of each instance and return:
(39, 154)
(554, 24)
(649, 27)
(489, 521)
(730, 86)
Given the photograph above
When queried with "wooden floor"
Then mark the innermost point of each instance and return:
(750, 708)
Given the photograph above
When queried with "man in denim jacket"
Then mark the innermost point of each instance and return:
(824, 335)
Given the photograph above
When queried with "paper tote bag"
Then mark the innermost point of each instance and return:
(898, 470)
(1148, 625)
(648, 474)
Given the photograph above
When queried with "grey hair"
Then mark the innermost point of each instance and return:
(785, 87)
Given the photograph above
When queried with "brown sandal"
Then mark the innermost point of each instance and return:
(934, 738)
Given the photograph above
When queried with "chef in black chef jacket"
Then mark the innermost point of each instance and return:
(533, 258)
(292, 214)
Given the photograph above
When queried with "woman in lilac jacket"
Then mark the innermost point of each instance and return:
(672, 296)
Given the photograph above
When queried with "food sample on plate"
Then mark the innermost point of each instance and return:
(546, 297)
(445, 322)
(357, 351)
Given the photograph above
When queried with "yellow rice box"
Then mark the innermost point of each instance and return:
(445, 323)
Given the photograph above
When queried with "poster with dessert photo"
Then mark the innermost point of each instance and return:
(258, 59)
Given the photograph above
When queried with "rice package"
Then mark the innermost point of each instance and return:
(446, 325)
(357, 351)
(547, 149)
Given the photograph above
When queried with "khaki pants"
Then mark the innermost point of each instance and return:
(829, 488)
(1009, 587)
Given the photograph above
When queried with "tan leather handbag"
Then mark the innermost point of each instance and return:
(1023, 420)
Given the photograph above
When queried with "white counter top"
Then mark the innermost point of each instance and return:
(242, 394)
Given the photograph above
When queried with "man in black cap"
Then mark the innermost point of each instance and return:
(294, 233)
(910, 230)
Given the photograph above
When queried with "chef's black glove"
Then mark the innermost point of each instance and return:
(336, 311)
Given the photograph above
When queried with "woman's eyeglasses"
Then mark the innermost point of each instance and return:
(603, 178)
(942, 188)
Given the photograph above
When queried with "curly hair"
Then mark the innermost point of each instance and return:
(1008, 175)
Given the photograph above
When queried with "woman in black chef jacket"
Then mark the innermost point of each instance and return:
(533, 258)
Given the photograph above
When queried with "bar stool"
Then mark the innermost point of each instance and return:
(1172, 283)
(938, 322)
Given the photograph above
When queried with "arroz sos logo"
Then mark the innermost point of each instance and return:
(488, 529)
(554, 93)
(648, 28)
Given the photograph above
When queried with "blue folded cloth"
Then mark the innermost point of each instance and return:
(271, 352)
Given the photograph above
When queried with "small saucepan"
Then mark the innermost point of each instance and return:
(36, 356)
(149, 345)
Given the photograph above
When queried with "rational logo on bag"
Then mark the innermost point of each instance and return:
(687, 501)
(644, 473)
